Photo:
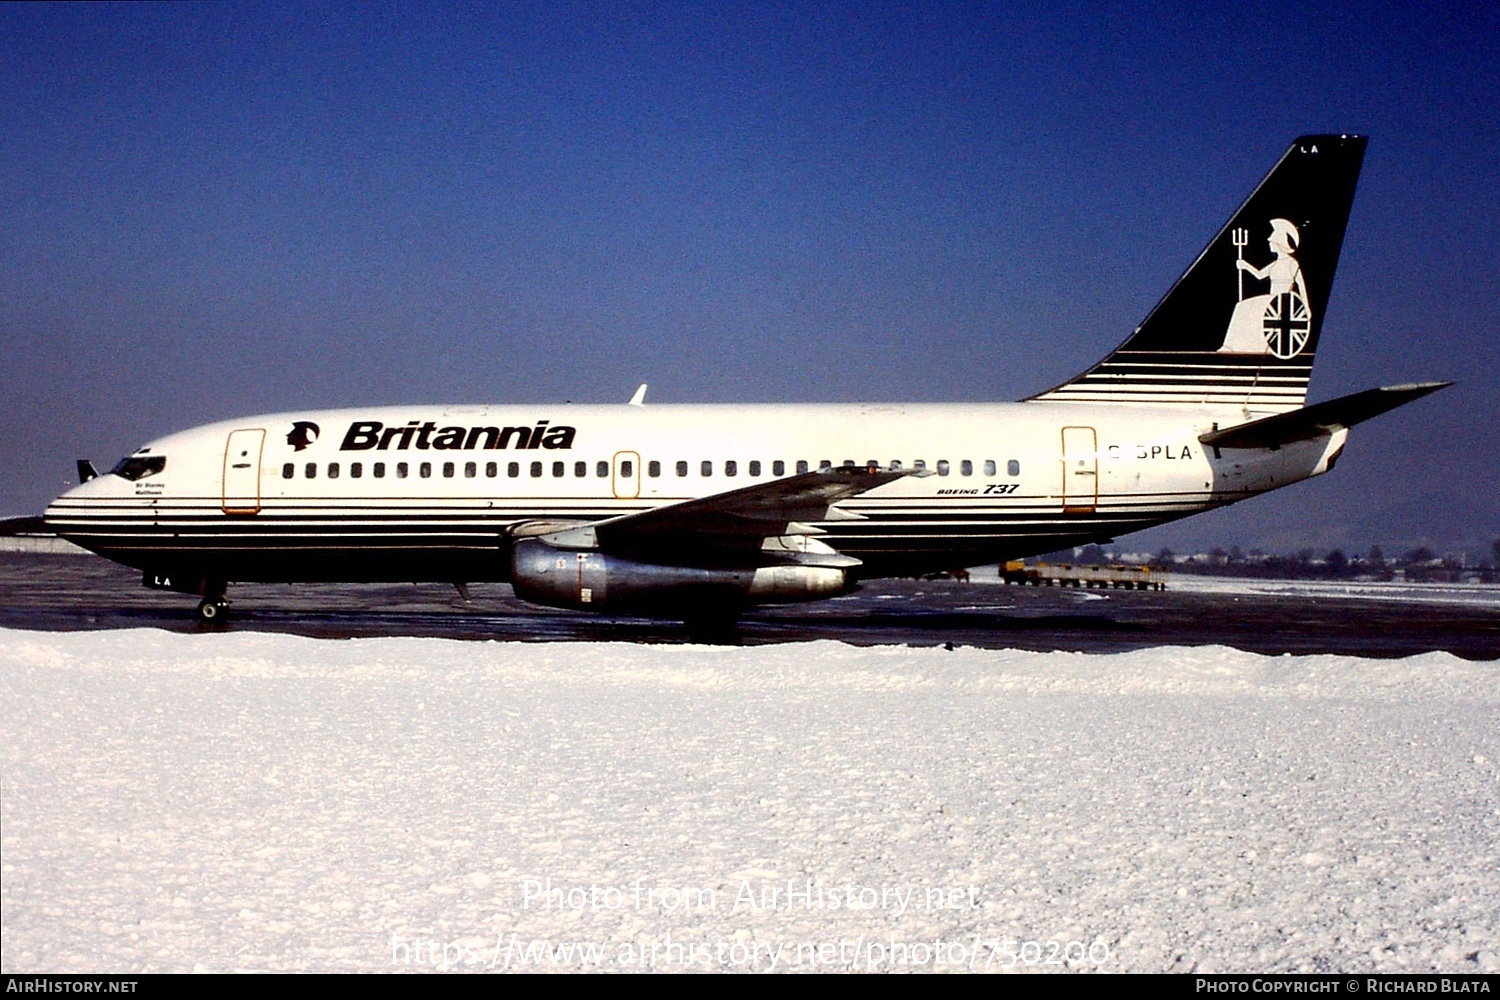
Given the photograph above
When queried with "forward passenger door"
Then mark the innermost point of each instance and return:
(242, 471)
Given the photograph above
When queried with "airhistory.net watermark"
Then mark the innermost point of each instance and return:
(977, 952)
(746, 896)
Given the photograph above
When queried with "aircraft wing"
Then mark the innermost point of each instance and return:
(726, 525)
(1318, 419)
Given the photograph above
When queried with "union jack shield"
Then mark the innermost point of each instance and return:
(1287, 324)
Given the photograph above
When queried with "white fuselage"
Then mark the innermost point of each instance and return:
(430, 493)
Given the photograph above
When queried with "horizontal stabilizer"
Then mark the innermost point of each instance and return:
(1320, 418)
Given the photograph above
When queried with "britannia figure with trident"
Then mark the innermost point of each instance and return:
(1277, 322)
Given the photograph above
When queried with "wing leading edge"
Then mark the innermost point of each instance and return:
(767, 521)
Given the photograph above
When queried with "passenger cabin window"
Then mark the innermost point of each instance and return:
(333, 470)
(425, 470)
(471, 469)
(966, 468)
(754, 468)
(731, 468)
(778, 468)
(896, 464)
(942, 467)
(356, 470)
(627, 469)
(558, 469)
(448, 470)
(288, 470)
(491, 469)
(402, 470)
(135, 467)
(1013, 468)
(920, 465)
(826, 464)
(311, 471)
(536, 470)
(513, 469)
(601, 469)
(682, 468)
(379, 470)
(989, 467)
(707, 469)
(653, 468)
(801, 465)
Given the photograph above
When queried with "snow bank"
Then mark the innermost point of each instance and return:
(247, 801)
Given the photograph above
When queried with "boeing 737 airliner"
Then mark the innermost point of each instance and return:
(698, 511)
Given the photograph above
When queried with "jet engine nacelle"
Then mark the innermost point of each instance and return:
(590, 580)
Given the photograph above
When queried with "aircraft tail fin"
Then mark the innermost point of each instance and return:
(1240, 327)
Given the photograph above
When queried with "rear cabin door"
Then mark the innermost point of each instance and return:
(1080, 470)
(242, 471)
(625, 475)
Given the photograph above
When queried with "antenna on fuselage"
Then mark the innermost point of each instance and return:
(639, 399)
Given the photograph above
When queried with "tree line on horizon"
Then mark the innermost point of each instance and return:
(1420, 564)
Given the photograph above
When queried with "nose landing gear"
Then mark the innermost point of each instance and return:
(214, 607)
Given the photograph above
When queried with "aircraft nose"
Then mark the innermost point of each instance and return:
(62, 510)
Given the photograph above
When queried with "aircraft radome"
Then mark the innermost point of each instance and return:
(697, 512)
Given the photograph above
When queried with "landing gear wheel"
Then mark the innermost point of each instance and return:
(212, 612)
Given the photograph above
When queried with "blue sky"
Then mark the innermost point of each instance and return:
(228, 209)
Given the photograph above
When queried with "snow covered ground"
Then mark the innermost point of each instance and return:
(251, 801)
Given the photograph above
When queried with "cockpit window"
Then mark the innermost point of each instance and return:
(139, 466)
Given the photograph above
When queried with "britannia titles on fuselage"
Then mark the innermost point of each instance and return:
(364, 435)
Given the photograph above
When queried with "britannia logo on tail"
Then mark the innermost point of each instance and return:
(1279, 321)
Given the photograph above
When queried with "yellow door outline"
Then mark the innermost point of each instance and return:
(242, 470)
(1080, 460)
(625, 475)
